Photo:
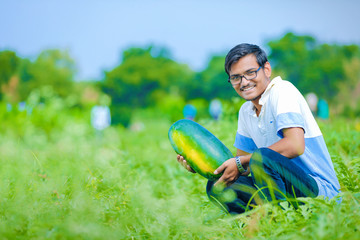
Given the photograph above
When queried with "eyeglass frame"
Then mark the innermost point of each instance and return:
(243, 76)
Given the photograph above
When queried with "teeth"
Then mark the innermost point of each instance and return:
(248, 88)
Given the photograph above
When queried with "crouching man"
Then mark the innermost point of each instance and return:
(278, 140)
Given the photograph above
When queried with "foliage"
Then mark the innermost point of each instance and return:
(348, 98)
(212, 82)
(140, 74)
(9, 64)
(149, 78)
(171, 106)
(19, 77)
(308, 64)
(143, 78)
(61, 180)
(53, 68)
(291, 54)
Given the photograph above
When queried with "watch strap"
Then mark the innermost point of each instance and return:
(239, 165)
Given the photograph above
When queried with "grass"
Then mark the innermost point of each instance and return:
(61, 180)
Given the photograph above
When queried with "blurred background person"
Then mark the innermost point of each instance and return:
(215, 109)
(100, 116)
(312, 101)
(323, 109)
(189, 111)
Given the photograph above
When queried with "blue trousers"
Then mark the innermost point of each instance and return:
(273, 177)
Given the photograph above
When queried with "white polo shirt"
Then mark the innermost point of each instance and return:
(283, 106)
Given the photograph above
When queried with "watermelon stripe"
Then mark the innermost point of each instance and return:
(192, 155)
(202, 150)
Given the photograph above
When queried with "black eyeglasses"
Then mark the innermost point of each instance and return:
(236, 79)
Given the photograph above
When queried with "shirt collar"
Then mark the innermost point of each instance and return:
(266, 93)
(264, 96)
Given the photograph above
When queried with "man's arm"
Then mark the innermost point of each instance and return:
(293, 143)
(291, 146)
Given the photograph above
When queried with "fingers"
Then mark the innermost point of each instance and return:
(230, 172)
(189, 168)
(220, 169)
(184, 163)
(181, 160)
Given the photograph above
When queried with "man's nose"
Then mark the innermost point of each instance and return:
(244, 81)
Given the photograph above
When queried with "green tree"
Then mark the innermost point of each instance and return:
(310, 66)
(348, 98)
(143, 78)
(212, 82)
(290, 55)
(52, 68)
(9, 64)
(326, 69)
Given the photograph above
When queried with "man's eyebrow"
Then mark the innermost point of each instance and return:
(249, 70)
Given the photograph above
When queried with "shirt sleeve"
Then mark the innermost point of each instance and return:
(286, 105)
(243, 140)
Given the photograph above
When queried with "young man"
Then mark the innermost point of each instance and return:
(278, 140)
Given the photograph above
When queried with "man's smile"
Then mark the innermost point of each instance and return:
(247, 88)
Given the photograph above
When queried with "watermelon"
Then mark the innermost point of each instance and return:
(201, 149)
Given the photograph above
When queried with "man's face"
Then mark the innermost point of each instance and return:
(251, 90)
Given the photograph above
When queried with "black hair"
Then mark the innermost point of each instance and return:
(242, 50)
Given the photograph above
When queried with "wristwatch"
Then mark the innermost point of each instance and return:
(239, 165)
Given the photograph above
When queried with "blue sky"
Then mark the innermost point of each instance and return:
(96, 32)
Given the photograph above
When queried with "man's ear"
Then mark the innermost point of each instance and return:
(267, 69)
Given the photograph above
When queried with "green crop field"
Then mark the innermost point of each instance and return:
(61, 180)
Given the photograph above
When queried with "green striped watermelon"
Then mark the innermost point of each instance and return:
(201, 149)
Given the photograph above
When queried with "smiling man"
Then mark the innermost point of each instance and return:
(278, 140)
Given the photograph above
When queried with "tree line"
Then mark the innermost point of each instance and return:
(149, 78)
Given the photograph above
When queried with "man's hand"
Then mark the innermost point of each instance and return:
(230, 172)
(184, 163)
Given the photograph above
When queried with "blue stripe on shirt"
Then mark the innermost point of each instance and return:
(287, 120)
(315, 161)
(245, 144)
(318, 158)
